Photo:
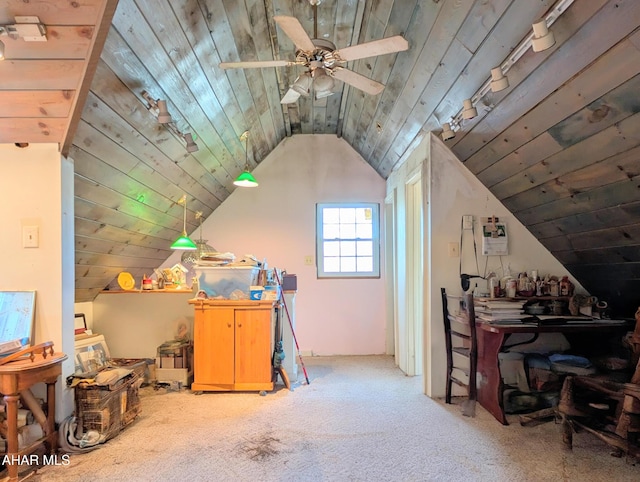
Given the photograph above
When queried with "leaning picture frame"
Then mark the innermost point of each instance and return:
(17, 320)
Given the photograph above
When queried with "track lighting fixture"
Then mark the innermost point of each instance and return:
(191, 145)
(542, 37)
(498, 80)
(158, 107)
(246, 179)
(28, 29)
(163, 114)
(468, 110)
(539, 40)
(447, 133)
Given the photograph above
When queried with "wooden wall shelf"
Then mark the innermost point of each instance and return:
(119, 292)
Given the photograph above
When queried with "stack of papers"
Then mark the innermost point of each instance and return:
(501, 312)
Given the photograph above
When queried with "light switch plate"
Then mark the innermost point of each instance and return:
(30, 237)
(467, 221)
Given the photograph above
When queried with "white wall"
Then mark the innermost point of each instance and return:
(276, 221)
(452, 191)
(135, 324)
(86, 307)
(37, 190)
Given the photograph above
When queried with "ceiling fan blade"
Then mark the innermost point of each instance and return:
(293, 28)
(290, 97)
(358, 81)
(383, 46)
(257, 64)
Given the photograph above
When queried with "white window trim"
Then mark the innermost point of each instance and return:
(375, 273)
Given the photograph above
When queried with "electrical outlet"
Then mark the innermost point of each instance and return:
(308, 260)
(467, 221)
(454, 250)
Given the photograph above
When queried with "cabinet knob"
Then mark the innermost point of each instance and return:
(228, 325)
(239, 325)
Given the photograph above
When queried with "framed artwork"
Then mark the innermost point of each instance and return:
(17, 320)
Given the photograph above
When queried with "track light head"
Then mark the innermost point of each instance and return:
(542, 37)
(499, 81)
(447, 133)
(163, 114)
(468, 111)
(191, 145)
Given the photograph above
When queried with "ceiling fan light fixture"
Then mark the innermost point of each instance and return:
(1, 50)
(302, 84)
(322, 81)
(321, 94)
(163, 114)
(447, 133)
(468, 110)
(499, 81)
(542, 37)
(191, 145)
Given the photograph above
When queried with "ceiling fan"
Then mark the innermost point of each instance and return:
(322, 61)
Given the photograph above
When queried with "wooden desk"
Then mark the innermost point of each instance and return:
(491, 339)
(16, 377)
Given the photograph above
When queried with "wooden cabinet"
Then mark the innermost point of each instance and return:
(232, 345)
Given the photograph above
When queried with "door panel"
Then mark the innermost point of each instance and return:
(213, 346)
(253, 346)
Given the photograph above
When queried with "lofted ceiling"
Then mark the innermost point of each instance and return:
(559, 147)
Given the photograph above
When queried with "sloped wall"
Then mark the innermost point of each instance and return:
(451, 191)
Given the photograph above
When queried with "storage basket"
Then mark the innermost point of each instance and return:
(107, 411)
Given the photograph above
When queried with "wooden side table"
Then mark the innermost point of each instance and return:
(18, 373)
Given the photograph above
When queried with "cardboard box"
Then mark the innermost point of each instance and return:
(168, 375)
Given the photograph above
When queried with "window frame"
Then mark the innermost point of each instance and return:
(375, 239)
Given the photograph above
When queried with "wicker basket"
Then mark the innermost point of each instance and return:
(107, 411)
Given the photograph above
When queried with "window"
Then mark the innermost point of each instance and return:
(348, 240)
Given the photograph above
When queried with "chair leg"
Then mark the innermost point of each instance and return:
(567, 432)
(447, 397)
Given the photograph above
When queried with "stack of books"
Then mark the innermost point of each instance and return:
(501, 311)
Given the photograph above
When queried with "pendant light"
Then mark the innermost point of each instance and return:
(191, 258)
(184, 242)
(246, 179)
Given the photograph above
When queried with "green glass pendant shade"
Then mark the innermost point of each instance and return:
(184, 242)
(246, 179)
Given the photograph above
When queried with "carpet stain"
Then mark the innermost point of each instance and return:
(261, 448)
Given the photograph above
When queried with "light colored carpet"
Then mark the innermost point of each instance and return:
(360, 419)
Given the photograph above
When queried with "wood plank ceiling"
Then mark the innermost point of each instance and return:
(559, 147)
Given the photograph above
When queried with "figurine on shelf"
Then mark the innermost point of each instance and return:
(566, 287)
(539, 288)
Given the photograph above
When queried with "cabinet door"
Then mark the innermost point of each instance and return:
(253, 346)
(213, 357)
